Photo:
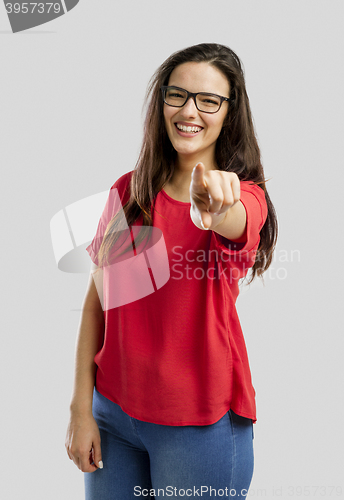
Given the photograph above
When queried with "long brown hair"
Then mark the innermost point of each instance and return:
(236, 149)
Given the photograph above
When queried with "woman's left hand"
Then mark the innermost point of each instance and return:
(212, 193)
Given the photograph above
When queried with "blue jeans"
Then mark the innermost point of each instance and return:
(189, 461)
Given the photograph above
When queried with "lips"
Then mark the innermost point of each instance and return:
(188, 128)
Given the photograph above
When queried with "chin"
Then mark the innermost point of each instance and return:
(185, 152)
(185, 149)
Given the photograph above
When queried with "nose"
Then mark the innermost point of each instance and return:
(189, 108)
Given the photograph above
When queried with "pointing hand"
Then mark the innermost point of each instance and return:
(212, 193)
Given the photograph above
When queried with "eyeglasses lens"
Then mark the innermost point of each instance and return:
(205, 102)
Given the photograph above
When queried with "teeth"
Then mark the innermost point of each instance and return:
(188, 129)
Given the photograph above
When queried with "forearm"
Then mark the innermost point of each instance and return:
(89, 342)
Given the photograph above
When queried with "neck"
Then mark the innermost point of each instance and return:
(184, 166)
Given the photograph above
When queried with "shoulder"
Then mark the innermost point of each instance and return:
(254, 189)
(253, 197)
(250, 187)
(123, 182)
(123, 187)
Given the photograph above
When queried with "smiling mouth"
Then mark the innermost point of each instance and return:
(188, 129)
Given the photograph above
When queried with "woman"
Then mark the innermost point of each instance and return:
(163, 403)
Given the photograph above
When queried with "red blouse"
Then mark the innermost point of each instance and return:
(173, 350)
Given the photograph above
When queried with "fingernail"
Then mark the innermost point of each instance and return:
(206, 228)
(100, 464)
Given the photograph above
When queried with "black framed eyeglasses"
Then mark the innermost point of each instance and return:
(204, 101)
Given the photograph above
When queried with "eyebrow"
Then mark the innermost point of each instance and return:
(200, 92)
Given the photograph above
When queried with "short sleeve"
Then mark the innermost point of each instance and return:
(253, 199)
(118, 196)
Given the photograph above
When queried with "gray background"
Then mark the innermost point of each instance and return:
(64, 137)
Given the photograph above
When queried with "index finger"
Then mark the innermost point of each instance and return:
(84, 463)
(198, 175)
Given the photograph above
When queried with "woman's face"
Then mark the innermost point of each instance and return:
(199, 146)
